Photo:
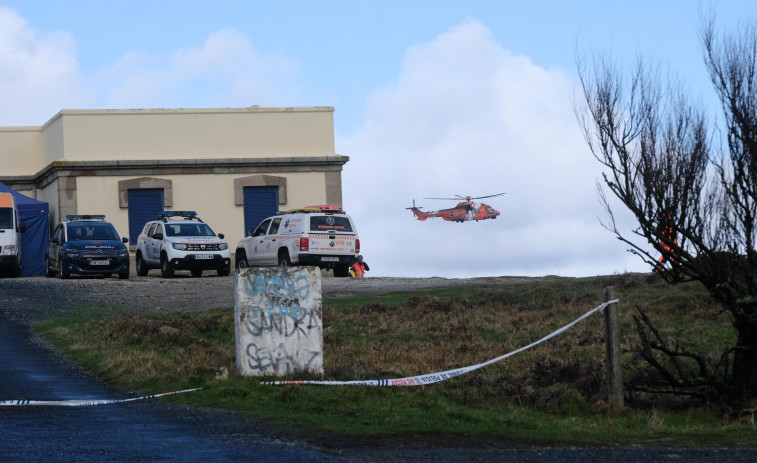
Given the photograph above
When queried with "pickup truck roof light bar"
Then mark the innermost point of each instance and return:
(322, 208)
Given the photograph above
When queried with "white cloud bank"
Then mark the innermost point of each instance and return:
(467, 117)
(225, 71)
(38, 74)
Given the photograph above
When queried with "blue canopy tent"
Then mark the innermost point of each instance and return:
(35, 214)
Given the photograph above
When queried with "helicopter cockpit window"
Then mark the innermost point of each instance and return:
(330, 222)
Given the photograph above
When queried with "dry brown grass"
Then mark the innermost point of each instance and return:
(428, 335)
(423, 334)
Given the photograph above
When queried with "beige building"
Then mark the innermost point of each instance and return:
(233, 166)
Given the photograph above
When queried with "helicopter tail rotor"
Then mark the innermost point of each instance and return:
(414, 207)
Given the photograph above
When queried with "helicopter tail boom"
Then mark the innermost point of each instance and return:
(418, 213)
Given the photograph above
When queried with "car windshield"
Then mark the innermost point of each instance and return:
(6, 218)
(188, 229)
(92, 231)
(330, 222)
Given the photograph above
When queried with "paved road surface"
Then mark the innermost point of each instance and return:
(138, 431)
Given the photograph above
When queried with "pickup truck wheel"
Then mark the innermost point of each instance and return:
(284, 259)
(241, 260)
(165, 268)
(341, 271)
(141, 266)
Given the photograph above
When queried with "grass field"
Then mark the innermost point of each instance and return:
(553, 393)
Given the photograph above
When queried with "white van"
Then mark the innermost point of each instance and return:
(10, 236)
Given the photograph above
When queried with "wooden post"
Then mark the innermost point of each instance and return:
(612, 339)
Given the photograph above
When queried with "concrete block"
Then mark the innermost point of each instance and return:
(277, 321)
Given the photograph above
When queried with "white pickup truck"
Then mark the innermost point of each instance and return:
(321, 236)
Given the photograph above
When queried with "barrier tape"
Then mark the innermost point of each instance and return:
(443, 375)
(86, 403)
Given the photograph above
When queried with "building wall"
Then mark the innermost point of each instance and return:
(54, 140)
(84, 161)
(21, 151)
(212, 196)
(196, 133)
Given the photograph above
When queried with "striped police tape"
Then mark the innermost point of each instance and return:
(407, 381)
(86, 403)
(443, 375)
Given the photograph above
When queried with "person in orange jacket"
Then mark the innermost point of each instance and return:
(359, 268)
(669, 235)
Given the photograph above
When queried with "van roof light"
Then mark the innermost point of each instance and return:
(70, 217)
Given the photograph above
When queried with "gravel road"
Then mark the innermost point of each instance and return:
(34, 298)
(26, 300)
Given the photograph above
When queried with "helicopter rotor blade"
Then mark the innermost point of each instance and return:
(468, 198)
(489, 196)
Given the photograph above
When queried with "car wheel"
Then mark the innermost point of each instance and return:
(341, 271)
(224, 272)
(165, 268)
(62, 273)
(284, 259)
(123, 276)
(241, 261)
(141, 266)
(196, 272)
(49, 272)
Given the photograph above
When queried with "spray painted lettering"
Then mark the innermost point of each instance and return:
(278, 320)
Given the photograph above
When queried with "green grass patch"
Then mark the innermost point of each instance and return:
(550, 394)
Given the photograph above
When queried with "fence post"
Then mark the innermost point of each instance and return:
(612, 339)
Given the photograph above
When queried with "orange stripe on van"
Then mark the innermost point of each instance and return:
(6, 200)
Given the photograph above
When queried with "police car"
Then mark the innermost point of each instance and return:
(179, 240)
(87, 245)
(322, 236)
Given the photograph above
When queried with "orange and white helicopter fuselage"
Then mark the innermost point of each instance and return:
(464, 211)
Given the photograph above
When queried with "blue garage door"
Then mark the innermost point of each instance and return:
(259, 202)
(144, 205)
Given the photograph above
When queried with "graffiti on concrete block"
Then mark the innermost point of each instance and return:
(278, 321)
(266, 360)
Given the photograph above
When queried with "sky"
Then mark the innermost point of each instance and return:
(432, 99)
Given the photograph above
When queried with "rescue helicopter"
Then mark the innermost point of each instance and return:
(465, 210)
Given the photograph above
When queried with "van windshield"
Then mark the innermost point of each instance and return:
(6, 218)
(330, 222)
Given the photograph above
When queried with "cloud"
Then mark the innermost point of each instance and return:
(225, 71)
(468, 117)
(38, 74)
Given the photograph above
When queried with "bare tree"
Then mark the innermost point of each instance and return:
(695, 201)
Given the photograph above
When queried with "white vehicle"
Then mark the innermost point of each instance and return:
(321, 236)
(179, 240)
(10, 235)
